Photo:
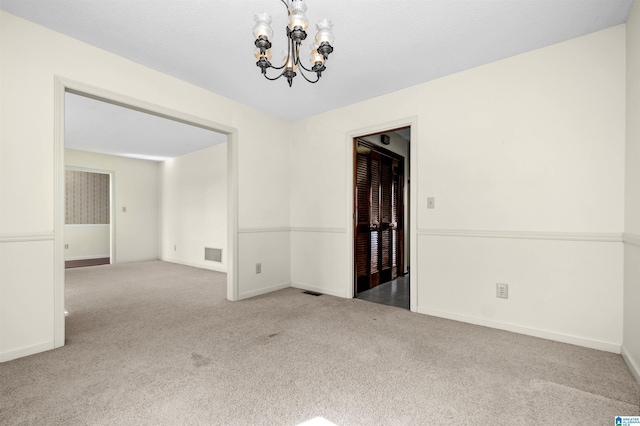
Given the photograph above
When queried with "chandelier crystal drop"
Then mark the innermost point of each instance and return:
(297, 26)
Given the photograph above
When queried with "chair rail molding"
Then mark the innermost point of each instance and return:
(21, 237)
(321, 229)
(632, 239)
(607, 237)
(264, 229)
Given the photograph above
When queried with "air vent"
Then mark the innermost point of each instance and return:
(313, 293)
(213, 254)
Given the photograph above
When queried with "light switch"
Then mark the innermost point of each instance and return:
(124, 210)
(431, 202)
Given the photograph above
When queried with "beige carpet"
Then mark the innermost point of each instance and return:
(155, 343)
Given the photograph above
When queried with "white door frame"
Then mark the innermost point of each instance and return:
(413, 196)
(62, 85)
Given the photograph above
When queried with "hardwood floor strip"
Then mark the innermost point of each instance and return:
(86, 262)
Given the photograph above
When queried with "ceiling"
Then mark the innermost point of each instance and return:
(381, 45)
(96, 126)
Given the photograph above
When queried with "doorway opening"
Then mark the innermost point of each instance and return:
(62, 137)
(381, 217)
(89, 215)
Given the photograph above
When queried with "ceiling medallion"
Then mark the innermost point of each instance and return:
(296, 33)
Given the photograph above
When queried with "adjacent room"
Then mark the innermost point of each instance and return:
(167, 194)
(472, 167)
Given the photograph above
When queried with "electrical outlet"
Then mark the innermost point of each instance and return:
(124, 210)
(258, 268)
(66, 246)
(502, 291)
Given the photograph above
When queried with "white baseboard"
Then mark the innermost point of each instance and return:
(151, 259)
(265, 290)
(318, 289)
(543, 334)
(633, 364)
(26, 351)
(196, 265)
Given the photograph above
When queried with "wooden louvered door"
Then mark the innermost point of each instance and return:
(379, 216)
(397, 218)
(363, 220)
(385, 229)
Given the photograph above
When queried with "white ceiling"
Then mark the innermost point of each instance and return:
(381, 45)
(96, 126)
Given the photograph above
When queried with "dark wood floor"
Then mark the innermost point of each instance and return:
(86, 262)
(393, 293)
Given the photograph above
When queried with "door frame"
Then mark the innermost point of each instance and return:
(112, 205)
(412, 231)
(63, 85)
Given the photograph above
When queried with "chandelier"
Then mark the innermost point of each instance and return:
(296, 33)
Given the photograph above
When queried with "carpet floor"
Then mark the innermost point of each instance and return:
(155, 343)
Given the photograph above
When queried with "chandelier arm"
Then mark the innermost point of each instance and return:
(278, 68)
(304, 68)
(311, 70)
(291, 51)
(274, 78)
(305, 77)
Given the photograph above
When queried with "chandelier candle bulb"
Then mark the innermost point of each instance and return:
(258, 53)
(298, 20)
(288, 61)
(315, 57)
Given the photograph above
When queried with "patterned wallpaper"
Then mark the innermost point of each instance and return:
(86, 198)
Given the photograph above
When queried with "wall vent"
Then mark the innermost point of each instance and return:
(213, 254)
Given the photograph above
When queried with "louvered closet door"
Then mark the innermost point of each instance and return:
(376, 217)
(397, 218)
(387, 244)
(363, 220)
(379, 212)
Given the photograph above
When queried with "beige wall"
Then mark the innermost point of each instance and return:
(87, 242)
(194, 207)
(631, 341)
(525, 158)
(32, 57)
